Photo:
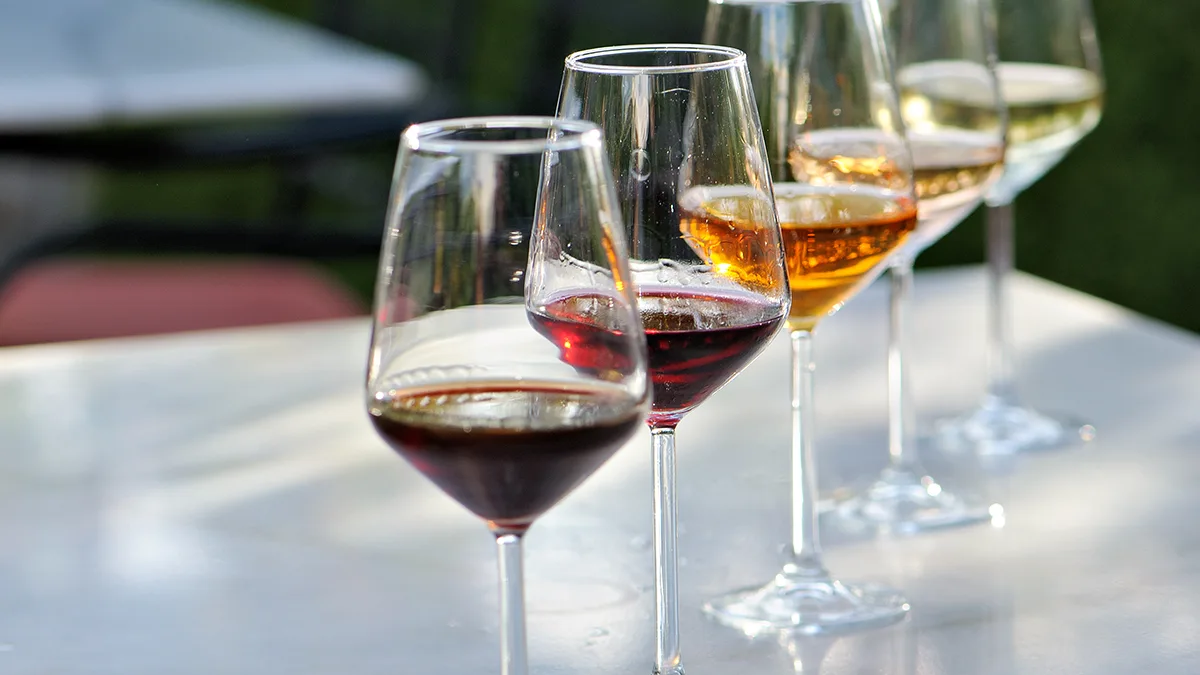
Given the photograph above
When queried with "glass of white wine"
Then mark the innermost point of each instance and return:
(1053, 84)
(941, 47)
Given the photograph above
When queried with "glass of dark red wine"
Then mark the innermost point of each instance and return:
(695, 195)
(507, 359)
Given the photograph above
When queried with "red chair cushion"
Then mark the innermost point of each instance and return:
(85, 299)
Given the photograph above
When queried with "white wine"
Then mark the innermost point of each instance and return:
(1049, 108)
(952, 171)
(939, 95)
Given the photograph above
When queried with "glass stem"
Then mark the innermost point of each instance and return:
(1000, 265)
(667, 659)
(902, 434)
(806, 544)
(513, 658)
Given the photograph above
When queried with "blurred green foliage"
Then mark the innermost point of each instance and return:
(1117, 219)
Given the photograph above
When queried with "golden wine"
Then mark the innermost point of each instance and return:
(730, 228)
(938, 95)
(864, 156)
(1049, 109)
(953, 170)
(834, 238)
(1046, 101)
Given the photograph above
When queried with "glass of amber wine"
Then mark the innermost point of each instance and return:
(958, 155)
(1052, 83)
(695, 196)
(843, 180)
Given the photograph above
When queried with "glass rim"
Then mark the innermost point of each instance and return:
(573, 134)
(578, 61)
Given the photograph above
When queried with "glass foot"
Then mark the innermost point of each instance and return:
(808, 606)
(904, 503)
(1000, 428)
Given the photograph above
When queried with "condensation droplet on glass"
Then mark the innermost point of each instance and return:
(517, 276)
(516, 237)
(598, 633)
(640, 161)
(837, 112)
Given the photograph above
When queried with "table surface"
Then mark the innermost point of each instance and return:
(218, 503)
(77, 64)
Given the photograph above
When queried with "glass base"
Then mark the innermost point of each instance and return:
(902, 502)
(1001, 428)
(805, 605)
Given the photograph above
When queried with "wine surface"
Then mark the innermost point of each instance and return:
(584, 327)
(698, 340)
(507, 451)
(1050, 108)
(834, 238)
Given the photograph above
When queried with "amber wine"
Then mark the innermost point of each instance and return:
(1050, 108)
(953, 170)
(849, 155)
(835, 237)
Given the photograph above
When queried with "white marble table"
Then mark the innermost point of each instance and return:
(217, 503)
(78, 64)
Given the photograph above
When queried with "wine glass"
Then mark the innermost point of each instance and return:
(507, 360)
(844, 190)
(695, 196)
(1053, 84)
(958, 155)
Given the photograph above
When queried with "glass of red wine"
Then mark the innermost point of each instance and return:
(695, 195)
(507, 358)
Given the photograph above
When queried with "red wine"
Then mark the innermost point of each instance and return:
(697, 341)
(507, 451)
(585, 328)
